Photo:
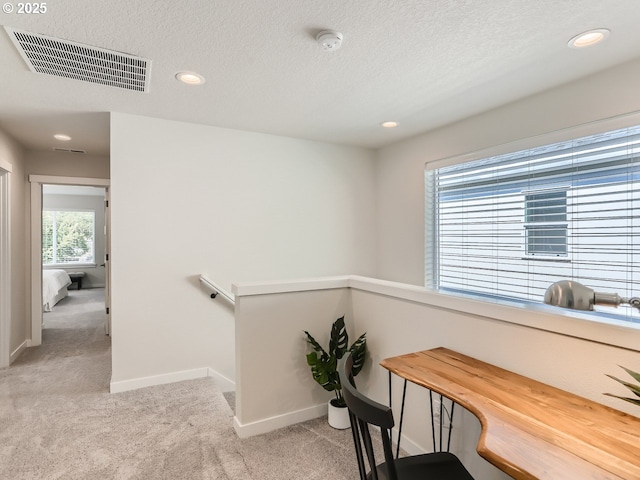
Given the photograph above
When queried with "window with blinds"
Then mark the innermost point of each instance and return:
(508, 226)
(68, 237)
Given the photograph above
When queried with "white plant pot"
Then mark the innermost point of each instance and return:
(339, 417)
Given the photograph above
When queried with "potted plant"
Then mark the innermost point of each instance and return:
(324, 365)
(634, 388)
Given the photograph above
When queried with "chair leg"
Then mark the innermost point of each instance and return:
(358, 445)
(368, 446)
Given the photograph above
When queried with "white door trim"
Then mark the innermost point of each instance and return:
(36, 241)
(107, 261)
(5, 265)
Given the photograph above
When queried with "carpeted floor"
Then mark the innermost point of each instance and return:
(58, 420)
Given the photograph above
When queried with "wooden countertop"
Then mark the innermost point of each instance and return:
(530, 430)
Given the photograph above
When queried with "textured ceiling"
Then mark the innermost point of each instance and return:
(423, 63)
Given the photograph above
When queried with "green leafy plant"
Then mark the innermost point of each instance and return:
(324, 363)
(634, 388)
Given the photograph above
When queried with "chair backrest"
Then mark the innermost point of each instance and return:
(364, 412)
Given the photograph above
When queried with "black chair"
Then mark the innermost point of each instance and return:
(364, 412)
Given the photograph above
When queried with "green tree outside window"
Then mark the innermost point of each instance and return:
(67, 237)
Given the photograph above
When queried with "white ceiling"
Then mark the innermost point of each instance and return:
(423, 63)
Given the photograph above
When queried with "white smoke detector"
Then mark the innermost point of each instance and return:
(329, 40)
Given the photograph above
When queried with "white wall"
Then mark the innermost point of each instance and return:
(274, 384)
(94, 275)
(64, 164)
(13, 154)
(190, 199)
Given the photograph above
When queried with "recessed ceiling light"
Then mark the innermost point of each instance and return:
(190, 78)
(591, 37)
(62, 137)
(389, 124)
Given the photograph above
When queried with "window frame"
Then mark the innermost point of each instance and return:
(593, 326)
(93, 246)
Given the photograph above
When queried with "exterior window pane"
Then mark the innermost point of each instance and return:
(546, 241)
(546, 207)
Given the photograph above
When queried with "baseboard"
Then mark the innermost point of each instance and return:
(280, 421)
(142, 382)
(408, 445)
(223, 382)
(16, 353)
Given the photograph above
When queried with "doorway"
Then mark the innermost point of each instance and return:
(88, 269)
(73, 253)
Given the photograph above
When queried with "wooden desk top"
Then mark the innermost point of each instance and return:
(530, 430)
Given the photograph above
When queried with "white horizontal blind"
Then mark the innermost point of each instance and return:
(509, 226)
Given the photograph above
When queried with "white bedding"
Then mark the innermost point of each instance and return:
(54, 287)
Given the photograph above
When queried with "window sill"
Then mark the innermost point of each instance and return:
(70, 265)
(539, 258)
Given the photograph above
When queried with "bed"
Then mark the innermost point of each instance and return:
(54, 287)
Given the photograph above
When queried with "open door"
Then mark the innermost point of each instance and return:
(107, 263)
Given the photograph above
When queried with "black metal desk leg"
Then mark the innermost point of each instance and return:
(404, 396)
(442, 409)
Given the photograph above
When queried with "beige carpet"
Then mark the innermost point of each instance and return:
(58, 421)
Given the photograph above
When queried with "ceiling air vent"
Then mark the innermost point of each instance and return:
(61, 58)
